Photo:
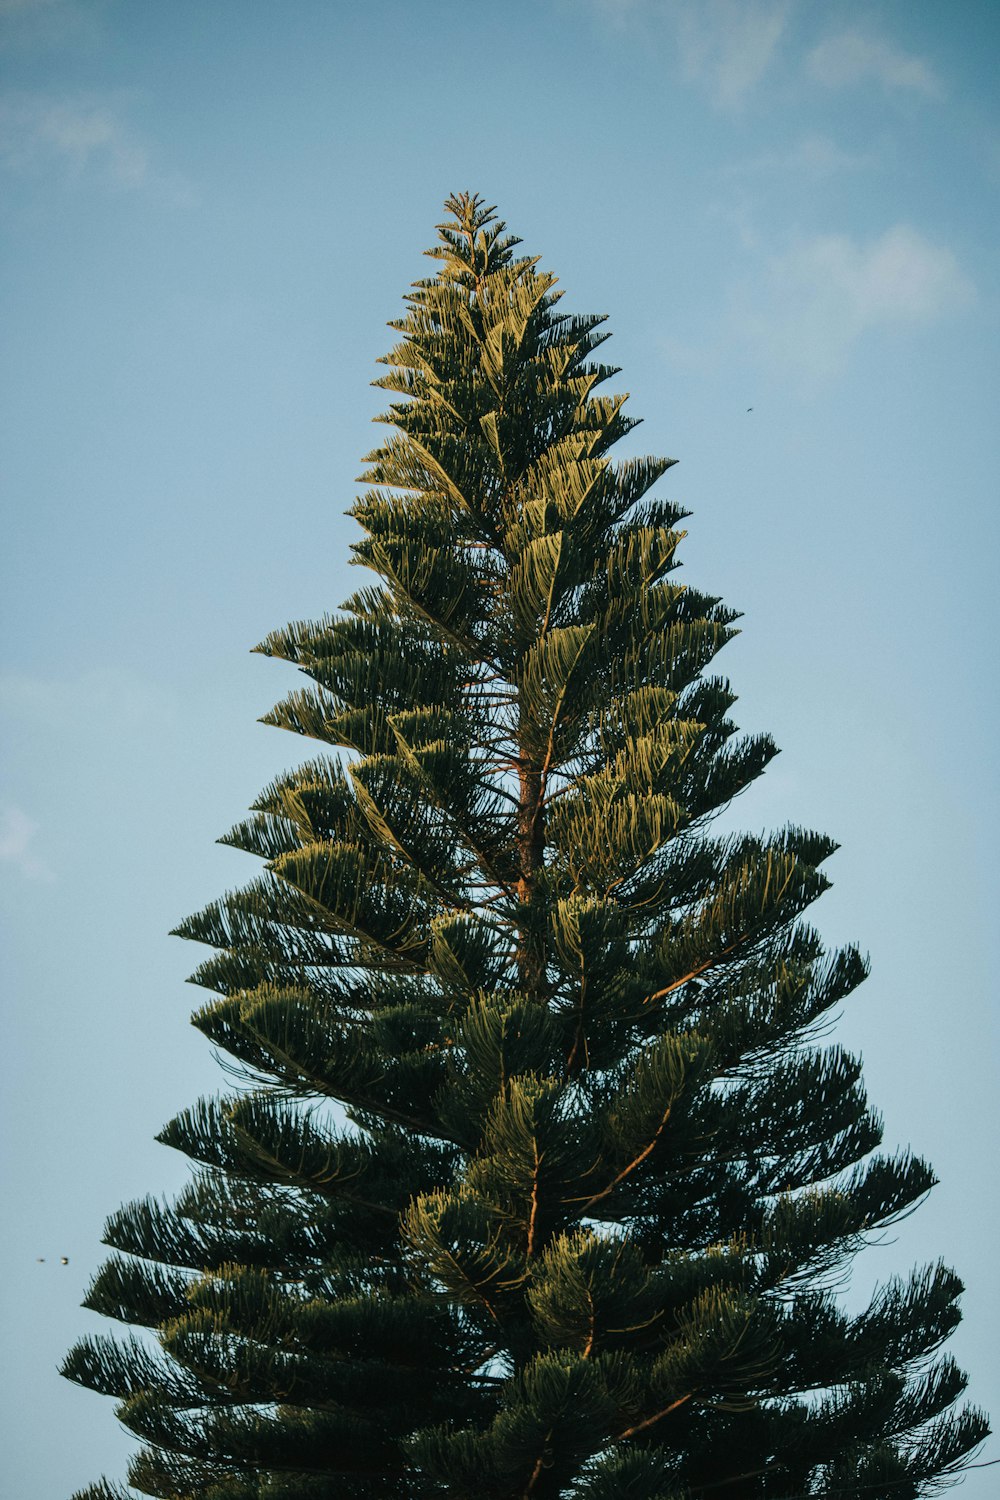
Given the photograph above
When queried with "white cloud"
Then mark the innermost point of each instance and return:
(991, 159)
(725, 45)
(818, 298)
(616, 11)
(32, 25)
(813, 156)
(83, 137)
(853, 58)
(17, 835)
(118, 700)
(728, 45)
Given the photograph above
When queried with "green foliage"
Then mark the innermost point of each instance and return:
(541, 1186)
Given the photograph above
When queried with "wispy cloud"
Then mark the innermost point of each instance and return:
(119, 700)
(616, 11)
(815, 156)
(728, 45)
(17, 837)
(817, 299)
(725, 46)
(852, 57)
(34, 24)
(82, 137)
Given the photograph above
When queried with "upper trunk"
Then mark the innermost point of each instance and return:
(531, 858)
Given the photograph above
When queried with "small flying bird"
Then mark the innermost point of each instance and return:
(749, 408)
(64, 1260)
(40, 1259)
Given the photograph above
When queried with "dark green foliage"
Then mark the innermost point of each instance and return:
(541, 1187)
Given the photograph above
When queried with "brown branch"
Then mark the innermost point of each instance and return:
(592, 1335)
(699, 969)
(536, 1472)
(656, 1417)
(531, 857)
(580, 1039)
(721, 1484)
(533, 1216)
(637, 1162)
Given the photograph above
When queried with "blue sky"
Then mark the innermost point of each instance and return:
(211, 210)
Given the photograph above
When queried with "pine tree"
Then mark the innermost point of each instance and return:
(541, 1185)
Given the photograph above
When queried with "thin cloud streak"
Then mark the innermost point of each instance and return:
(816, 300)
(725, 46)
(49, 25)
(616, 11)
(853, 58)
(85, 138)
(729, 44)
(17, 835)
(111, 698)
(815, 156)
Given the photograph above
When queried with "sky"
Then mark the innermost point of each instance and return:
(789, 211)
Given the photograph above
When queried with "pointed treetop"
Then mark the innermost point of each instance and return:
(473, 240)
(471, 213)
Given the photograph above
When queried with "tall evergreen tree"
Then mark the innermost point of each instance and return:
(542, 1186)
